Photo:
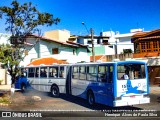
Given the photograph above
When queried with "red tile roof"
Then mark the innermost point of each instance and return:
(144, 34)
(46, 61)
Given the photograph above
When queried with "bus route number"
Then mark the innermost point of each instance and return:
(126, 86)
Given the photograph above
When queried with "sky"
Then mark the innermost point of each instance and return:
(101, 15)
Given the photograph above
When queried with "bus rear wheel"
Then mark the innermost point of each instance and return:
(90, 98)
(55, 91)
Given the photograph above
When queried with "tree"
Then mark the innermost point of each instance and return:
(21, 20)
(6, 57)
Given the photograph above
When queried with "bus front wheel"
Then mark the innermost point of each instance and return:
(90, 98)
(55, 91)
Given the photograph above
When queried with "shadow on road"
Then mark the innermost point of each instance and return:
(84, 103)
(79, 101)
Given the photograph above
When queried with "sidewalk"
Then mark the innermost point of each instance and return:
(5, 87)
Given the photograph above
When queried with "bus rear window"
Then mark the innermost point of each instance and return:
(131, 71)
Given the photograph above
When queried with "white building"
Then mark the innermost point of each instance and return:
(119, 41)
(41, 47)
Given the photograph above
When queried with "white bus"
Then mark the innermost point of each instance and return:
(118, 83)
(48, 78)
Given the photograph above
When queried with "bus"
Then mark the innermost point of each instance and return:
(119, 83)
(106, 83)
(51, 78)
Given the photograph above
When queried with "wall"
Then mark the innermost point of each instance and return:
(99, 50)
(59, 35)
(109, 50)
(124, 42)
(44, 49)
(66, 53)
(154, 72)
(3, 76)
(82, 55)
(121, 57)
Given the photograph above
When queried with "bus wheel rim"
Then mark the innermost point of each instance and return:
(90, 99)
(54, 91)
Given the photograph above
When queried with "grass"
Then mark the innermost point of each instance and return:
(4, 98)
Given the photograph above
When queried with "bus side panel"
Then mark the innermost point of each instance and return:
(79, 88)
(33, 83)
(62, 85)
(104, 93)
(37, 84)
(60, 82)
(43, 85)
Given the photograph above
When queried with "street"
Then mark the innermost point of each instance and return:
(36, 101)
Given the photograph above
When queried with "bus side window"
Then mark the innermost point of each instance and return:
(92, 73)
(75, 73)
(43, 72)
(82, 73)
(31, 72)
(110, 77)
(37, 72)
(61, 72)
(102, 75)
(53, 72)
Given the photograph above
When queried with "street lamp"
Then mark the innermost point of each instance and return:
(92, 40)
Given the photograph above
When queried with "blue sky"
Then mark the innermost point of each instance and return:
(101, 15)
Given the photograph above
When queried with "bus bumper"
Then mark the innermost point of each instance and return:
(131, 102)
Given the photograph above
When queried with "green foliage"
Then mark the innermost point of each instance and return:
(127, 51)
(25, 18)
(21, 20)
(5, 99)
(9, 57)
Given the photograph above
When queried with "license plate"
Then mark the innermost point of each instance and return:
(133, 96)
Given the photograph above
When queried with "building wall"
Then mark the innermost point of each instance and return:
(44, 49)
(82, 55)
(124, 43)
(60, 35)
(84, 41)
(109, 50)
(3, 76)
(99, 50)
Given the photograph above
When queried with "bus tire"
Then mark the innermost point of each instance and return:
(23, 87)
(90, 98)
(55, 91)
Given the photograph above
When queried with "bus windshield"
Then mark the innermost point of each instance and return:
(130, 71)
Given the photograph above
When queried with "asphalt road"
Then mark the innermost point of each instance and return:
(69, 106)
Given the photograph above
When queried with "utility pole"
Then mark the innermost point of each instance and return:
(92, 40)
